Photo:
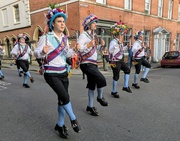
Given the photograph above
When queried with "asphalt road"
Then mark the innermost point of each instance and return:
(151, 113)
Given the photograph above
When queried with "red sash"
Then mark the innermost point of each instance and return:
(24, 51)
(89, 54)
(134, 62)
(57, 51)
(137, 53)
(116, 55)
(50, 68)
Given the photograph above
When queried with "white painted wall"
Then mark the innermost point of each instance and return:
(25, 19)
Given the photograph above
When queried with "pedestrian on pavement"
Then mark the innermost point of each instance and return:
(105, 58)
(139, 59)
(2, 51)
(148, 54)
(89, 46)
(22, 51)
(116, 61)
(130, 54)
(54, 47)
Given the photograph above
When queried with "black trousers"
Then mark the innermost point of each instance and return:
(24, 64)
(143, 62)
(119, 65)
(59, 83)
(94, 76)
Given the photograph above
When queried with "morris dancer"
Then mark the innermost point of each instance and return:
(54, 47)
(88, 50)
(20, 71)
(2, 51)
(22, 51)
(138, 59)
(115, 56)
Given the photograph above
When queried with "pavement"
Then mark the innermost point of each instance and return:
(34, 67)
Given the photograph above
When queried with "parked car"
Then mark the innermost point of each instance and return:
(171, 58)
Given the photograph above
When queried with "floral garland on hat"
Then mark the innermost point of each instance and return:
(119, 28)
(53, 13)
(90, 19)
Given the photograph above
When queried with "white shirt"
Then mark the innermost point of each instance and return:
(136, 46)
(18, 47)
(83, 40)
(114, 48)
(58, 61)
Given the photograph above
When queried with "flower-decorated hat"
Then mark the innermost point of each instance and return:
(89, 20)
(138, 33)
(22, 36)
(119, 28)
(53, 13)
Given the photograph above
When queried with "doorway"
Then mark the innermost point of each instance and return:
(160, 35)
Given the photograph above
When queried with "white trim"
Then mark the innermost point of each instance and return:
(126, 3)
(170, 9)
(99, 1)
(160, 5)
(147, 10)
(178, 12)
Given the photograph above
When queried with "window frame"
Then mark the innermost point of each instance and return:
(128, 4)
(179, 12)
(101, 1)
(16, 13)
(126, 39)
(168, 42)
(160, 8)
(170, 7)
(147, 3)
(4, 17)
(177, 41)
(146, 36)
(127, 35)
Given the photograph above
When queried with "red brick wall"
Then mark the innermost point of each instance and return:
(38, 4)
(138, 5)
(154, 7)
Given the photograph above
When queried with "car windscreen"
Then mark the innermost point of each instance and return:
(171, 55)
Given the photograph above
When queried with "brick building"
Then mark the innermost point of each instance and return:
(160, 19)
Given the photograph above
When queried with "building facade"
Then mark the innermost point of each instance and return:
(160, 20)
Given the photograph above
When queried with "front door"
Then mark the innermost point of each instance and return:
(159, 46)
(159, 43)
